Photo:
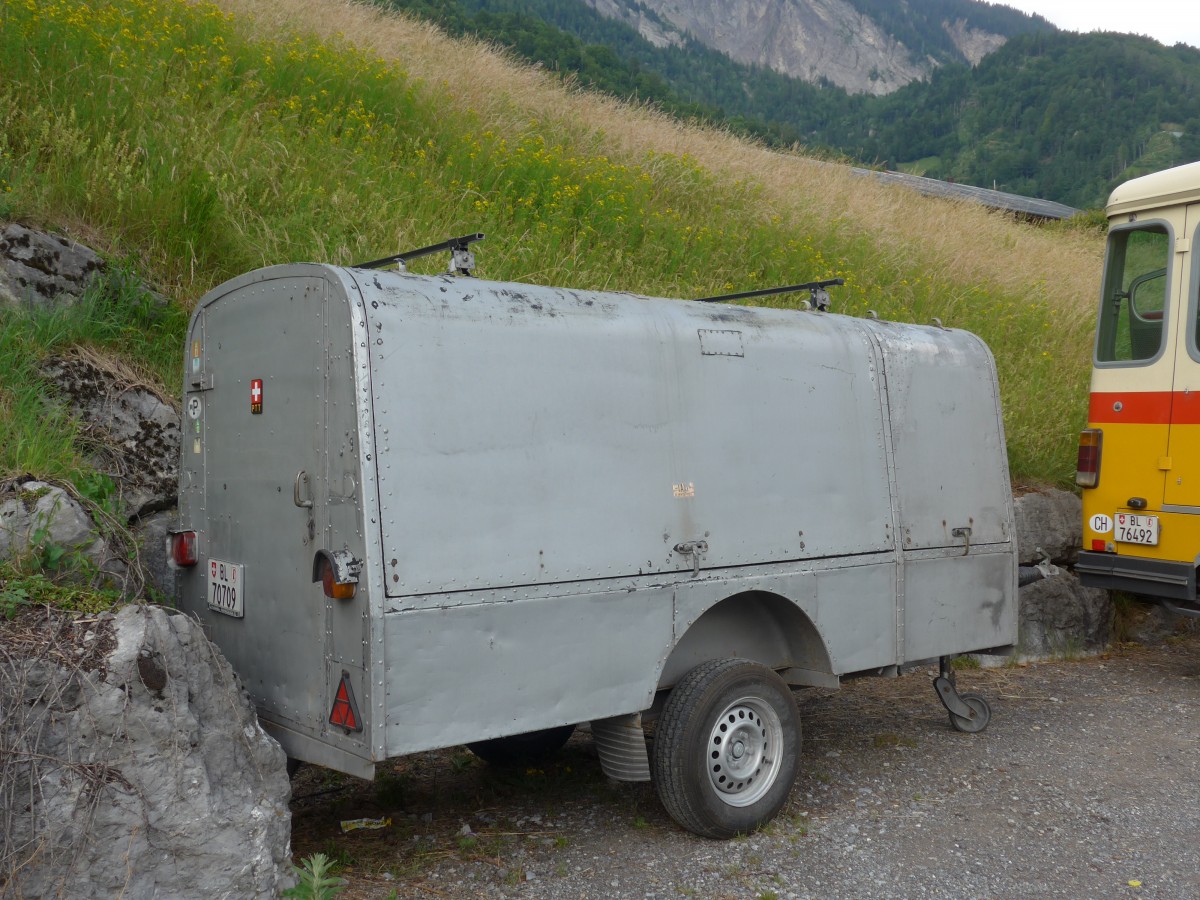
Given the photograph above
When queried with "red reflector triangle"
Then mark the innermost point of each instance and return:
(345, 711)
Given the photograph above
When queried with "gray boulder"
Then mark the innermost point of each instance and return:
(1049, 524)
(1060, 618)
(40, 269)
(36, 517)
(151, 533)
(141, 770)
(135, 432)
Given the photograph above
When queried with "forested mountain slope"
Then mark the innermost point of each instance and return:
(1057, 115)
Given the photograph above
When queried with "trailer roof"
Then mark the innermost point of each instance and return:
(1167, 188)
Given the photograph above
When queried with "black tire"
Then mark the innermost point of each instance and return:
(981, 715)
(523, 749)
(727, 748)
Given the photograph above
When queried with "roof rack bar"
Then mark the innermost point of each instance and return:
(453, 245)
(810, 286)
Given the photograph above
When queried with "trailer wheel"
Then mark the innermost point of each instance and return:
(521, 749)
(981, 715)
(727, 747)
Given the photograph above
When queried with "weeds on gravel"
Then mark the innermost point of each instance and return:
(316, 880)
(889, 739)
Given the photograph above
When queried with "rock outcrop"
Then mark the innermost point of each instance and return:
(1060, 618)
(37, 519)
(823, 39)
(815, 40)
(37, 268)
(1049, 526)
(1058, 615)
(133, 431)
(132, 764)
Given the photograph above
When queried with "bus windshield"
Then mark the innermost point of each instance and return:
(1134, 310)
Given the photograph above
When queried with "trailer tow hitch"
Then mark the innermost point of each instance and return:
(969, 713)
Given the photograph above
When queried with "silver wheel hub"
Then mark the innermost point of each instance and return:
(745, 751)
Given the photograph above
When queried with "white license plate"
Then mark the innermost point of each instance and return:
(226, 588)
(1131, 529)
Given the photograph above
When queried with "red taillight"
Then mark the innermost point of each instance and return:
(1087, 469)
(182, 548)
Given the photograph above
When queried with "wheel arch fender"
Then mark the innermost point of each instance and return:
(760, 626)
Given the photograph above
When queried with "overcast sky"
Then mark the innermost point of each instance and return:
(1167, 21)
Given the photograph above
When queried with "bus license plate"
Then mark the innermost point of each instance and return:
(1131, 529)
(226, 588)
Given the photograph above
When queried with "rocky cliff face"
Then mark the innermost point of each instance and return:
(972, 43)
(808, 39)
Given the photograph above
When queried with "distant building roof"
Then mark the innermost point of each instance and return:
(931, 187)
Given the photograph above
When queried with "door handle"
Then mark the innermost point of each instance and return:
(304, 502)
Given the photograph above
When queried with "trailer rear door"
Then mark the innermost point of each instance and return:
(270, 479)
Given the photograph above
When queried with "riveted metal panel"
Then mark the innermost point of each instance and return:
(530, 435)
(951, 468)
(469, 673)
(270, 375)
(965, 602)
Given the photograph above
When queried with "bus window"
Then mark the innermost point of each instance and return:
(1135, 288)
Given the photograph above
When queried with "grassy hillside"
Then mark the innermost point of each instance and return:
(198, 141)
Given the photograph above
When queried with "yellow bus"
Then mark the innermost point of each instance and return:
(1139, 457)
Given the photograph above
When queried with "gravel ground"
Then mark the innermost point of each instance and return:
(1086, 784)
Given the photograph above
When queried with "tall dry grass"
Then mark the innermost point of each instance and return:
(963, 241)
(203, 139)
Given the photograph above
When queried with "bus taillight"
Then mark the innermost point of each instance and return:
(1087, 469)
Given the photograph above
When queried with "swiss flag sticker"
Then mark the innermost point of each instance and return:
(256, 396)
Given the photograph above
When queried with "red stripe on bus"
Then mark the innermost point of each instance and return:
(1148, 408)
(1145, 408)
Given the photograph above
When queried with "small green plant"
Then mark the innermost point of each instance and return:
(768, 895)
(1068, 648)
(11, 598)
(336, 856)
(316, 879)
(462, 760)
(961, 663)
(99, 489)
(640, 822)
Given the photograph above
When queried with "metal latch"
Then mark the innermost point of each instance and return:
(965, 534)
(693, 549)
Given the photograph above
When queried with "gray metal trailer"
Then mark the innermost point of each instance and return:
(422, 511)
